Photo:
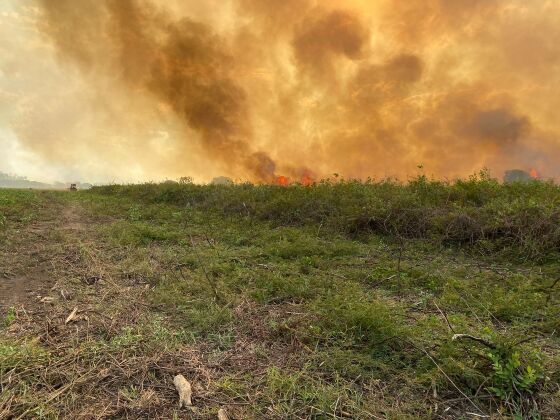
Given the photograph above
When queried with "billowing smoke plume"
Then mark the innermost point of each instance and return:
(182, 64)
(257, 88)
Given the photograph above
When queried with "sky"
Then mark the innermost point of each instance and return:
(135, 90)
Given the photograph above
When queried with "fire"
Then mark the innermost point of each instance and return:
(306, 180)
(534, 173)
(282, 181)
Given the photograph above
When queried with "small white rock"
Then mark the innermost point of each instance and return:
(184, 389)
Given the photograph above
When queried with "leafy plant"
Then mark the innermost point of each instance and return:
(510, 379)
(186, 180)
(11, 316)
(135, 213)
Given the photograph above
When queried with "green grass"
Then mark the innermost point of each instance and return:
(519, 220)
(10, 317)
(358, 320)
(17, 206)
(339, 299)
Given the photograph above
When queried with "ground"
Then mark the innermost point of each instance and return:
(104, 298)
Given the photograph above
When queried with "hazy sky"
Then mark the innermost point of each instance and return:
(13, 158)
(130, 90)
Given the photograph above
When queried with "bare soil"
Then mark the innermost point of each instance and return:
(26, 264)
(21, 290)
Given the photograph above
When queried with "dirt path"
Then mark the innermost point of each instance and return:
(64, 292)
(26, 259)
(73, 218)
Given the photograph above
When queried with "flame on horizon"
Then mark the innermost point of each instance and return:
(282, 181)
(251, 89)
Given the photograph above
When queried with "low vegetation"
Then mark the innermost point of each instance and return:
(339, 300)
(518, 219)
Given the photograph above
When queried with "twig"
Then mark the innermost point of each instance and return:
(482, 416)
(482, 341)
(210, 280)
(445, 317)
(551, 289)
(72, 315)
(319, 229)
(390, 278)
(448, 378)
(524, 340)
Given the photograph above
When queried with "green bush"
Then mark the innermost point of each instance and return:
(510, 380)
(520, 219)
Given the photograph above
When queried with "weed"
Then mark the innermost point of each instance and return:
(11, 317)
(17, 356)
(510, 379)
(135, 213)
(519, 218)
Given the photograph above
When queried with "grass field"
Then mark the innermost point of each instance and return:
(428, 300)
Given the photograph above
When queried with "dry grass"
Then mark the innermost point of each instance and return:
(265, 321)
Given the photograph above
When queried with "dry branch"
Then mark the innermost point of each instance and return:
(458, 337)
(72, 316)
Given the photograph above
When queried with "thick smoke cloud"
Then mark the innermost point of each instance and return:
(182, 64)
(304, 88)
(321, 39)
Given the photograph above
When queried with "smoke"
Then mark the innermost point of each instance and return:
(182, 65)
(253, 89)
(324, 36)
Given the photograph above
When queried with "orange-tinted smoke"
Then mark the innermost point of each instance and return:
(357, 87)
(182, 64)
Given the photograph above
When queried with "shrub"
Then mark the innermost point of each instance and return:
(519, 219)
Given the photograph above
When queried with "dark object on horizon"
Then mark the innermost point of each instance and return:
(73, 187)
(517, 175)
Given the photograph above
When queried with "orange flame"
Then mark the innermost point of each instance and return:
(306, 180)
(534, 173)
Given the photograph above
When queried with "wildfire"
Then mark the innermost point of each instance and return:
(534, 173)
(283, 181)
(306, 180)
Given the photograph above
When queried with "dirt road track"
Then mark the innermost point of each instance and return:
(26, 253)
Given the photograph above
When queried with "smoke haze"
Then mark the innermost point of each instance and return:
(253, 89)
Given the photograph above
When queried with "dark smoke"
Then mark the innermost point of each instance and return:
(184, 64)
(324, 36)
(252, 89)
